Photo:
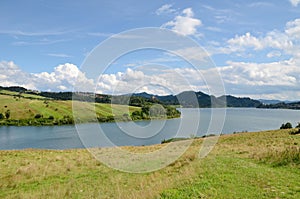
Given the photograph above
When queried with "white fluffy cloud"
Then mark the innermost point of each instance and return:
(11, 75)
(185, 23)
(293, 28)
(294, 2)
(163, 82)
(260, 80)
(273, 39)
(64, 77)
(286, 41)
(263, 79)
(283, 73)
(246, 40)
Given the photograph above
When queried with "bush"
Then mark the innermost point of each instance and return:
(1, 116)
(51, 117)
(7, 114)
(287, 125)
(295, 132)
(37, 116)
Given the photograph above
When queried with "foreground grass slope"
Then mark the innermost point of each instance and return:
(24, 108)
(249, 165)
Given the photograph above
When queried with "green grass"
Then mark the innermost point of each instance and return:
(239, 166)
(22, 108)
(22, 95)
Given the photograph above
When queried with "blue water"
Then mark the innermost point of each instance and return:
(193, 122)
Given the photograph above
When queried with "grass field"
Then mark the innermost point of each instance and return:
(23, 108)
(247, 165)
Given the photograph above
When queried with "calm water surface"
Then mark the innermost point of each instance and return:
(193, 122)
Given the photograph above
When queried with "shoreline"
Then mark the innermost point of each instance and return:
(163, 142)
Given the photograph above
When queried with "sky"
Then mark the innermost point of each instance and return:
(254, 46)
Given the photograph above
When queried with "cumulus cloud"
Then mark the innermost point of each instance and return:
(64, 77)
(163, 82)
(294, 2)
(11, 75)
(246, 40)
(283, 73)
(185, 23)
(240, 78)
(263, 80)
(165, 9)
(293, 28)
(287, 41)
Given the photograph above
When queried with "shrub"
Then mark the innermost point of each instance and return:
(287, 125)
(37, 116)
(51, 117)
(1, 116)
(7, 114)
(295, 132)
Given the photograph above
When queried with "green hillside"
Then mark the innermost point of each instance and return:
(25, 111)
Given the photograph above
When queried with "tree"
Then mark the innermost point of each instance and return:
(7, 114)
(287, 125)
(1, 116)
(298, 125)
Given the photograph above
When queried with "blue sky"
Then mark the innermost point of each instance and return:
(254, 44)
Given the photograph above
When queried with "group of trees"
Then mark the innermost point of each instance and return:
(38, 120)
(288, 125)
(155, 111)
(6, 115)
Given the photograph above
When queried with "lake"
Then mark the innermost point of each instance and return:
(193, 122)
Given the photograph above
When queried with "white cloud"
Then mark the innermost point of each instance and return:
(286, 41)
(184, 24)
(61, 55)
(64, 77)
(294, 2)
(263, 80)
(261, 4)
(283, 73)
(166, 81)
(11, 75)
(293, 28)
(165, 9)
(241, 78)
(246, 40)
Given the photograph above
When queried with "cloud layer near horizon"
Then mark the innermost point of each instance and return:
(275, 80)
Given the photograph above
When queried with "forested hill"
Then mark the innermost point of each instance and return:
(189, 99)
(199, 99)
(282, 105)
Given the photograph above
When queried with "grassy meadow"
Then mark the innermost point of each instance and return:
(246, 165)
(23, 108)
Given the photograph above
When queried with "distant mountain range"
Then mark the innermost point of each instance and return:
(187, 99)
(192, 99)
